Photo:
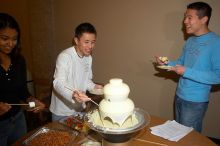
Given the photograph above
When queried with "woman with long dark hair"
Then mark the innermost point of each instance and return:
(13, 86)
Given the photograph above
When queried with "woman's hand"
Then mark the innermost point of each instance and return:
(4, 108)
(39, 106)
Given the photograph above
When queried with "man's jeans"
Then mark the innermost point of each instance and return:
(189, 113)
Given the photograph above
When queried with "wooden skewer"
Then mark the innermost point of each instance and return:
(89, 98)
(94, 102)
(156, 143)
(19, 104)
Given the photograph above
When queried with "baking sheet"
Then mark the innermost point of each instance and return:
(72, 133)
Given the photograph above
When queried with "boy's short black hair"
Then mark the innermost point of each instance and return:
(203, 9)
(84, 27)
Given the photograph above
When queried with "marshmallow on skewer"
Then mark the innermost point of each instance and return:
(31, 104)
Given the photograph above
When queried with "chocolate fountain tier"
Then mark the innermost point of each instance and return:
(120, 134)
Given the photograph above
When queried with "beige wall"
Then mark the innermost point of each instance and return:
(130, 33)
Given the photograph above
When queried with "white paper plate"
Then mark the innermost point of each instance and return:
(164, 67)
(97, 91)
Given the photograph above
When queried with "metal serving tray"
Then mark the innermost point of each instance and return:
(47, 129)
(75, 122)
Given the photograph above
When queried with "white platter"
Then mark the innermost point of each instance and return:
(164, 67)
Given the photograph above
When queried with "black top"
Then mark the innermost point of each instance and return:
(13, 86)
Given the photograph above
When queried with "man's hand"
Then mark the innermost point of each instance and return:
(179, 69)
(80, 96)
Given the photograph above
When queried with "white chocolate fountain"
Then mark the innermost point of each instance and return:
(117, 120)
(116, 105)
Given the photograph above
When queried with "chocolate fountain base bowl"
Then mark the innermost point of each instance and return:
(120, 135)
(107, 143)
(118, 138)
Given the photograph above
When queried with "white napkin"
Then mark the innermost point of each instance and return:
(171, 130)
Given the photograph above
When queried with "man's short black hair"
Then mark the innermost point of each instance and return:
(84, 27)
(203, 9)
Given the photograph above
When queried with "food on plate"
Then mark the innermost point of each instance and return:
(164, 59)
(74, 122)
(51, 138)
